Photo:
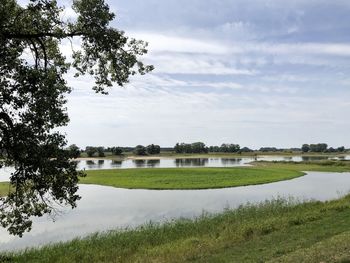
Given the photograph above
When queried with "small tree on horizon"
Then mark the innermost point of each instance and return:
(140, 150)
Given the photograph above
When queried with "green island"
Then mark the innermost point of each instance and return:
(186, 178)
(205, 178)
(273, 231)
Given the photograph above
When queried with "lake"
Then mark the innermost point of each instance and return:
(102, 208)
(193, 162)
(93, 164)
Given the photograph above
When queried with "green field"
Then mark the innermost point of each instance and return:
(4, 189)
(275, 231)
(203, 178)
(186, 178)
(320, 166)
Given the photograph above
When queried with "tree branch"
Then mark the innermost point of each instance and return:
(8, 35)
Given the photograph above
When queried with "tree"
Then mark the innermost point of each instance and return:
(33, 97)
(341, 149)
(196, 147)
(140, 150)
(100, 151)
(320, 147)
(153, 149)
(245, 150)
(117, 150)
(229, 148)
(74, 150)
(305, 148)
(90, 151)
(199, 147)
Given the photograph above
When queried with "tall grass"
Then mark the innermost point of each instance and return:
(272, 230)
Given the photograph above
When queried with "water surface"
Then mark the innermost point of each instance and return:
(102, 208)
(94, 164)
(194, 162)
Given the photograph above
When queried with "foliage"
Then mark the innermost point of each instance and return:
(196, 147)
(269, 149)
(305, 148)
(153, 149)
(321, 148)
(117, 150)
(140, 150)
(75, 151)
(245, 150)
(225, 148)
(100, 151)
(33, 96)
(90, 151)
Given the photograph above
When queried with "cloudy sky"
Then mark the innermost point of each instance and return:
(257, 73)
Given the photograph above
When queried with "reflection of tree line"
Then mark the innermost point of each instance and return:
(93, 164)
(190, 162)
(146, 163)
(205, 161)
(230, 161)
(314, 158)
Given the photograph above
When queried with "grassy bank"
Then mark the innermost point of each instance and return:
(187, 178)
(276, 231)
(203, 178)
(4, 189)
(319, 166)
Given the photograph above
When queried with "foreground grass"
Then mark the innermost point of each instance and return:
(186, 178)
(4, 189)
(275, 231)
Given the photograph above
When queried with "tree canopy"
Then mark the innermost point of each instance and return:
(33, 96)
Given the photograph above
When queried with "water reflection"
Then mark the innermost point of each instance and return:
(230, 161)
(152, 163)
(182, 162)
(314, 158)
(116, 163)
(98, 209)
(190, 162)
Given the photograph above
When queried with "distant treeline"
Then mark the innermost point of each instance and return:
(199, 147)
(138, 150)
(321, 148)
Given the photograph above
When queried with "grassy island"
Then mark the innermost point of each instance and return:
(187, 178)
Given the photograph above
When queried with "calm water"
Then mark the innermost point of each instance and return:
(193, 162)
(103, 208)
(180, 162)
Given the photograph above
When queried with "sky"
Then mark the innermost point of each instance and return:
(257, 73)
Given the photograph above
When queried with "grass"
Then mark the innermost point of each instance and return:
(204, 178)
(4, 189)
(319, 166)
(274, 231)
(186, 178)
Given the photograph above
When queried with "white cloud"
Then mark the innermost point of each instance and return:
(172, 43)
